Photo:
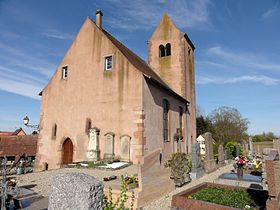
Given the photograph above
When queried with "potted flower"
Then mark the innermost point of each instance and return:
(240, 163)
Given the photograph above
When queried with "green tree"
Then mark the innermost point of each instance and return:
(228, 125)
(264, 137)
(203, 125)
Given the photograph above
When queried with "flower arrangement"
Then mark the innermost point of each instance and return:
(130, 179)
(241, 161)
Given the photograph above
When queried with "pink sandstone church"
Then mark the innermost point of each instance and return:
(105, 102)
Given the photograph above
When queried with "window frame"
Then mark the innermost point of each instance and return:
(168, 49)
(54, 131)
(166, 120)
(106, 57)
(64, 75)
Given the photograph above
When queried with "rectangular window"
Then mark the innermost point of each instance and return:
(108, 63)
(54, 131)
(88, 125)
(64, 72)
(165, 120)
(181, 121)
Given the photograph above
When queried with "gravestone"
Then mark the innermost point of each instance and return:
(196, 170)
(125, 148)
(221, 155)
(209, 162)
(237, 150)
(250, 146)
(109, 146)
(227, 155)
(276, 144)
(93, 151)
(74, 191)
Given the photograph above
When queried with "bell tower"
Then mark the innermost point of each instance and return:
(171, 55)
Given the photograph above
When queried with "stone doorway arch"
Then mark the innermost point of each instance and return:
(67, 151)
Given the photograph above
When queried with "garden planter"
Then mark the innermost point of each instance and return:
(182, 201)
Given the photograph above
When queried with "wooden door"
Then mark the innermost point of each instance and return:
(67, 152)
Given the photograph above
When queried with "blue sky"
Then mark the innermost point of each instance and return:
(237, 56)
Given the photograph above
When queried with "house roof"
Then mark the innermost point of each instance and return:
(141, 65)
(13, 133)
(6, 133)
(18, 145)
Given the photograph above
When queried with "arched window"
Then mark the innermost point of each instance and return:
(161, 51)
(165, 120)
(168, 49)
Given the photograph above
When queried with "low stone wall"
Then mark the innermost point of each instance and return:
(154, 179)
(180, 201)
(272, 167)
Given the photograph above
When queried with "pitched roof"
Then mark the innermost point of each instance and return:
(140, 64)
(12, 133)
(6, 133)
(16, 132)
(18, 145)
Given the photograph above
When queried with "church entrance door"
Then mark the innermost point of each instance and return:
(67, 151)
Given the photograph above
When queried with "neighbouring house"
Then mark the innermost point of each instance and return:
(17, 132)
(102, 92)
(201, 140)
(17, 145)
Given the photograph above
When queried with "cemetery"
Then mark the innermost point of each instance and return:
(252, 177)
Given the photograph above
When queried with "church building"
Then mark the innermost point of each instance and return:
(105, 102)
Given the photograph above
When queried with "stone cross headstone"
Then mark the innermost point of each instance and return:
(74, 191)
(125, 148)
(196, 170)
(109, 146)
(93, 151)
(221, 155)
(209, 162)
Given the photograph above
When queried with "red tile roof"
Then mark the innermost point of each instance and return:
(18, 145)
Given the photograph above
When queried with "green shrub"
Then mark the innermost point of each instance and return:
(231, 147)
(237, 198)
(108, 203)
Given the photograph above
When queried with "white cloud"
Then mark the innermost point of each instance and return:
(240, 59)
(145, 14)
(57, 35)
(265, 80)
(270, 12)
(20, 88)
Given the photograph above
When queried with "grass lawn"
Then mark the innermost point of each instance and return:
(237, 198)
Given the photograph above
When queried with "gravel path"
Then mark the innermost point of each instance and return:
(42, 180)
